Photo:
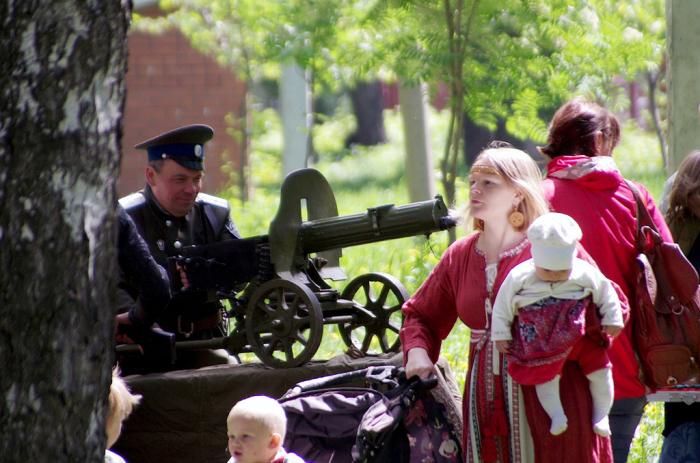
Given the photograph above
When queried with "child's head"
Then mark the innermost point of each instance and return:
(121, 404)
(256, 428)
(553, 239)
(684, 199)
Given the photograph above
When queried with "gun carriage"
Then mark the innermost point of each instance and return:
(277, 283)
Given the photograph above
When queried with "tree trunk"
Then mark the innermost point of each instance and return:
(368, 106)
(420, 171)
(295, 112)
(61, 101)
(652, 86)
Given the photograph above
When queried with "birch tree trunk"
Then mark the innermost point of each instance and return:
(420, 171)
(62, 66)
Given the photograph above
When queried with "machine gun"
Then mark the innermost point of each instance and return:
(287, 301)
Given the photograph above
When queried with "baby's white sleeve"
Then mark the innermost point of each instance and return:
(605, 297)
(504, 310)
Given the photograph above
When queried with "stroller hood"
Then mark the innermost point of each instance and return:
(325, 422)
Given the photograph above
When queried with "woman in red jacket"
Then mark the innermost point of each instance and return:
(584, 183)
(503, 422)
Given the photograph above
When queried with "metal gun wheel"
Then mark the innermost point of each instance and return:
(382, 295)
(284, 323)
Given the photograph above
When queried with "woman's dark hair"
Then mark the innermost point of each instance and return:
(574, 126)
(683, 199)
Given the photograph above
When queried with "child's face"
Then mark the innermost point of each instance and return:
(552, 276)
(251, 442)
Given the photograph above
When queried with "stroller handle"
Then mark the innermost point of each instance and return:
(382, 373)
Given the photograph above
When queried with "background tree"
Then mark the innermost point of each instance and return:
(254, 38)
(60, 113)
(506, 63)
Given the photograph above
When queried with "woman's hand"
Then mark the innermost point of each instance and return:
(502, 346)
(418, 363)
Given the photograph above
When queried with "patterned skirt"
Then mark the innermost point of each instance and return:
(543, 335)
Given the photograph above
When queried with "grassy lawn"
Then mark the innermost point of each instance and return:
(372, 177)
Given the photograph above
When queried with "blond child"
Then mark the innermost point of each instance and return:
(121, 404)
(256, 427)
(549, 294)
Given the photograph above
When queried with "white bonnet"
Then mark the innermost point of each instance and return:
(553, 238)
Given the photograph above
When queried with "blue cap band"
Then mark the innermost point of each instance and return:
(177, 151)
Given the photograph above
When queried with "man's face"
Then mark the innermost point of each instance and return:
(175, 187)
(251, 442)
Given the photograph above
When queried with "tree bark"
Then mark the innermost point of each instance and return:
(368, 106)
(420, 171)
(61, 102)
(652, 85)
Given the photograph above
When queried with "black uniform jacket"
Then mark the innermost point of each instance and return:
(207, 222)
(148, 280)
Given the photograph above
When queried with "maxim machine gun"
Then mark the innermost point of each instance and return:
(280, 314)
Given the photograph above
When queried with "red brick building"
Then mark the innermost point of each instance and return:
(170, 84)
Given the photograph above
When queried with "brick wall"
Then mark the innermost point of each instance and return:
(169, 84)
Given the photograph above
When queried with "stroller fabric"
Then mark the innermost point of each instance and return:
(322, 425)
(402, 423)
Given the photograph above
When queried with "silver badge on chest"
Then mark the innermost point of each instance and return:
(160, 244)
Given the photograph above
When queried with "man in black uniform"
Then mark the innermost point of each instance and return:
(170, 213)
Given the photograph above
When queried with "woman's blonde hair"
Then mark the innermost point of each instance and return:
(521, 172)
(686, 184)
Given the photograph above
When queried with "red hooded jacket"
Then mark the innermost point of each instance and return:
(594, 193)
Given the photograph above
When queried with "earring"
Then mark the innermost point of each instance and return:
(516, 219)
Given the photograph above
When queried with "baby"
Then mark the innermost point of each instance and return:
(549, 294)
(121, 404)
(256, 429)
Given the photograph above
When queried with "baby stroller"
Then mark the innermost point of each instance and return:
(388, 419)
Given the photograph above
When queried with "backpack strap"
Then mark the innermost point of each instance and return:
(645, 224)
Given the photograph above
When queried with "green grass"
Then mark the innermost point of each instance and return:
(368, 177)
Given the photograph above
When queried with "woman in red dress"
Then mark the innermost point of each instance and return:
(501, 423)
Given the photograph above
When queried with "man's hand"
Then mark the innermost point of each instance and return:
(612, 331)
(502, 346)
(119, 335)
(183, 276)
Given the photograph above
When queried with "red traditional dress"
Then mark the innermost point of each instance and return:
(497, 429)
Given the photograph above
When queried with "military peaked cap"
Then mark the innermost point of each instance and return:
(184, 145)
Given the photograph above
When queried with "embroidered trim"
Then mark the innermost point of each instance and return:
(513, 404)
(476, 336)
(540, 362)
(473, 443)
(514, 250)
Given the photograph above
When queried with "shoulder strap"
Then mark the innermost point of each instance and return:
(216, 211)
(132, 201)
(644, 220)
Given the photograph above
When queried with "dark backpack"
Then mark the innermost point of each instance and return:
(666, 319)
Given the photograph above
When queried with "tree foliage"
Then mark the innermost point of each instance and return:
(509, 60)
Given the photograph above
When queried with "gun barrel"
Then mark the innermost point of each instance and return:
(377, 224)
